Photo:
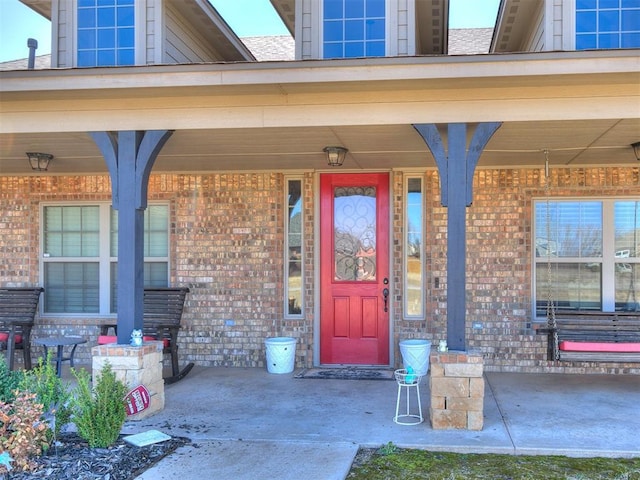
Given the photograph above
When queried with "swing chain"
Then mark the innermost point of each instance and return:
(551, 311)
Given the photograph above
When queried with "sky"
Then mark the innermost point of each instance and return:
(18, 22)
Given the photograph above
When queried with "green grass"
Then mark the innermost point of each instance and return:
(406, 464)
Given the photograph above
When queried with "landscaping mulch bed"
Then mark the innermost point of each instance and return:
(71, 458)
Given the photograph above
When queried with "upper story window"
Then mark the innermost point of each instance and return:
(353, 28)
(80, 256)
(607, 24)
(106, 33)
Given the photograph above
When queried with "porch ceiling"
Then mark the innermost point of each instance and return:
(582, 107)
(515, 144)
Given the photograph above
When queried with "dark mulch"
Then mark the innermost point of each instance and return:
(71, 458)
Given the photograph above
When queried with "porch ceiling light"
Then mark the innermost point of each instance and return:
(39, 161)
(335, 155)
(636, 150)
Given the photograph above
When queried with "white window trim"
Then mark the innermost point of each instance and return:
(104, 255)
(287, 179)
(140, 26)
(318, 11)
(405, 242)
(569, 24)
(608, 249)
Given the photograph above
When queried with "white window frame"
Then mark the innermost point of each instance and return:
(405, 266)
(287, 179)
(608, 258)
(389, 14)
(104, 257)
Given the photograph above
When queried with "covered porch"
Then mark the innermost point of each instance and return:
(248, 126)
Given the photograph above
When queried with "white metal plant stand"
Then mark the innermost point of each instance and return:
(408, 381)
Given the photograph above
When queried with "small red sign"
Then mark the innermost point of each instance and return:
(137, 400)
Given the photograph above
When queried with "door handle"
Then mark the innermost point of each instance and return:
(385, 297)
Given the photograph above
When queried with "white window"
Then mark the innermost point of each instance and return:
(414, 288)
(587, 255)
(80, 253)
(607, 24)
(294, 250)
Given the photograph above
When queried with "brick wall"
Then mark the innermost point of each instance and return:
(227, 240)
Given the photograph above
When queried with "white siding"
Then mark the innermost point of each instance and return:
(62, 32)
(535, 41)
(182, 45)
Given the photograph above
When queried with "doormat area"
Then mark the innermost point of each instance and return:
(347, 373)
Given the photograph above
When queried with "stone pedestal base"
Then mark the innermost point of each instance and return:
(457, 390)
(134, 366)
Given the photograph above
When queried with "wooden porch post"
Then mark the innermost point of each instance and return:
(130, 156)
(456, 168)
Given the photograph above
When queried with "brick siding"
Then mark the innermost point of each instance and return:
(227, 244)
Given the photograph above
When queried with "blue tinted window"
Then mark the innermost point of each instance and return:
(630, 40)
(608, 40)
(125, 16)
(354, 9)
(375, 8)
(86, 18)
(126, 38)
(630, 20)
(586, 42)
(105, 27)
(332, 50)
(375, 49)
(609, 4)
(333, 9)
(354, 49)
(607, 24)
(351, 25)
(586, 22)
(106, 58)
(126, 57)
(87, 58)
(106, 17)
(333, 31)
(354, 30)
(87, 38)
(375, 30)
(609, 21)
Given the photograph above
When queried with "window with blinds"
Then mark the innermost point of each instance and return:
(80, 254)
(586, 255)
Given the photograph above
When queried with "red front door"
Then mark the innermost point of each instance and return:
(354, 269)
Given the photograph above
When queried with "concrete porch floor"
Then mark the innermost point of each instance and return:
(247, 424)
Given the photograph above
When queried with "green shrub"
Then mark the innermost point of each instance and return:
(99, 413)
(51, 392)
(23, 433)
(9, 381)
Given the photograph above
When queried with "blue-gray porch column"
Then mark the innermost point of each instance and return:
(456, 168)
(129, 156)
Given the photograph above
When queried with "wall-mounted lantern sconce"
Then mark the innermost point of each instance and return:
(335, 155)
(39, 161)
(636, 150)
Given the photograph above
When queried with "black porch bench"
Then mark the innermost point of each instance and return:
(18, 307)
(590, 336)
(161, 321)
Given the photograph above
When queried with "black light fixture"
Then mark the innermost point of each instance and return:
(636, 150)
(335, 155)
(39, 161)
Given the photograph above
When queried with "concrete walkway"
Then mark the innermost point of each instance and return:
(248, 424)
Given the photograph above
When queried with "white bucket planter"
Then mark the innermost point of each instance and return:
(281, 354)
(415, 354)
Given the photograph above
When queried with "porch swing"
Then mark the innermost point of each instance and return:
(589, 336)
